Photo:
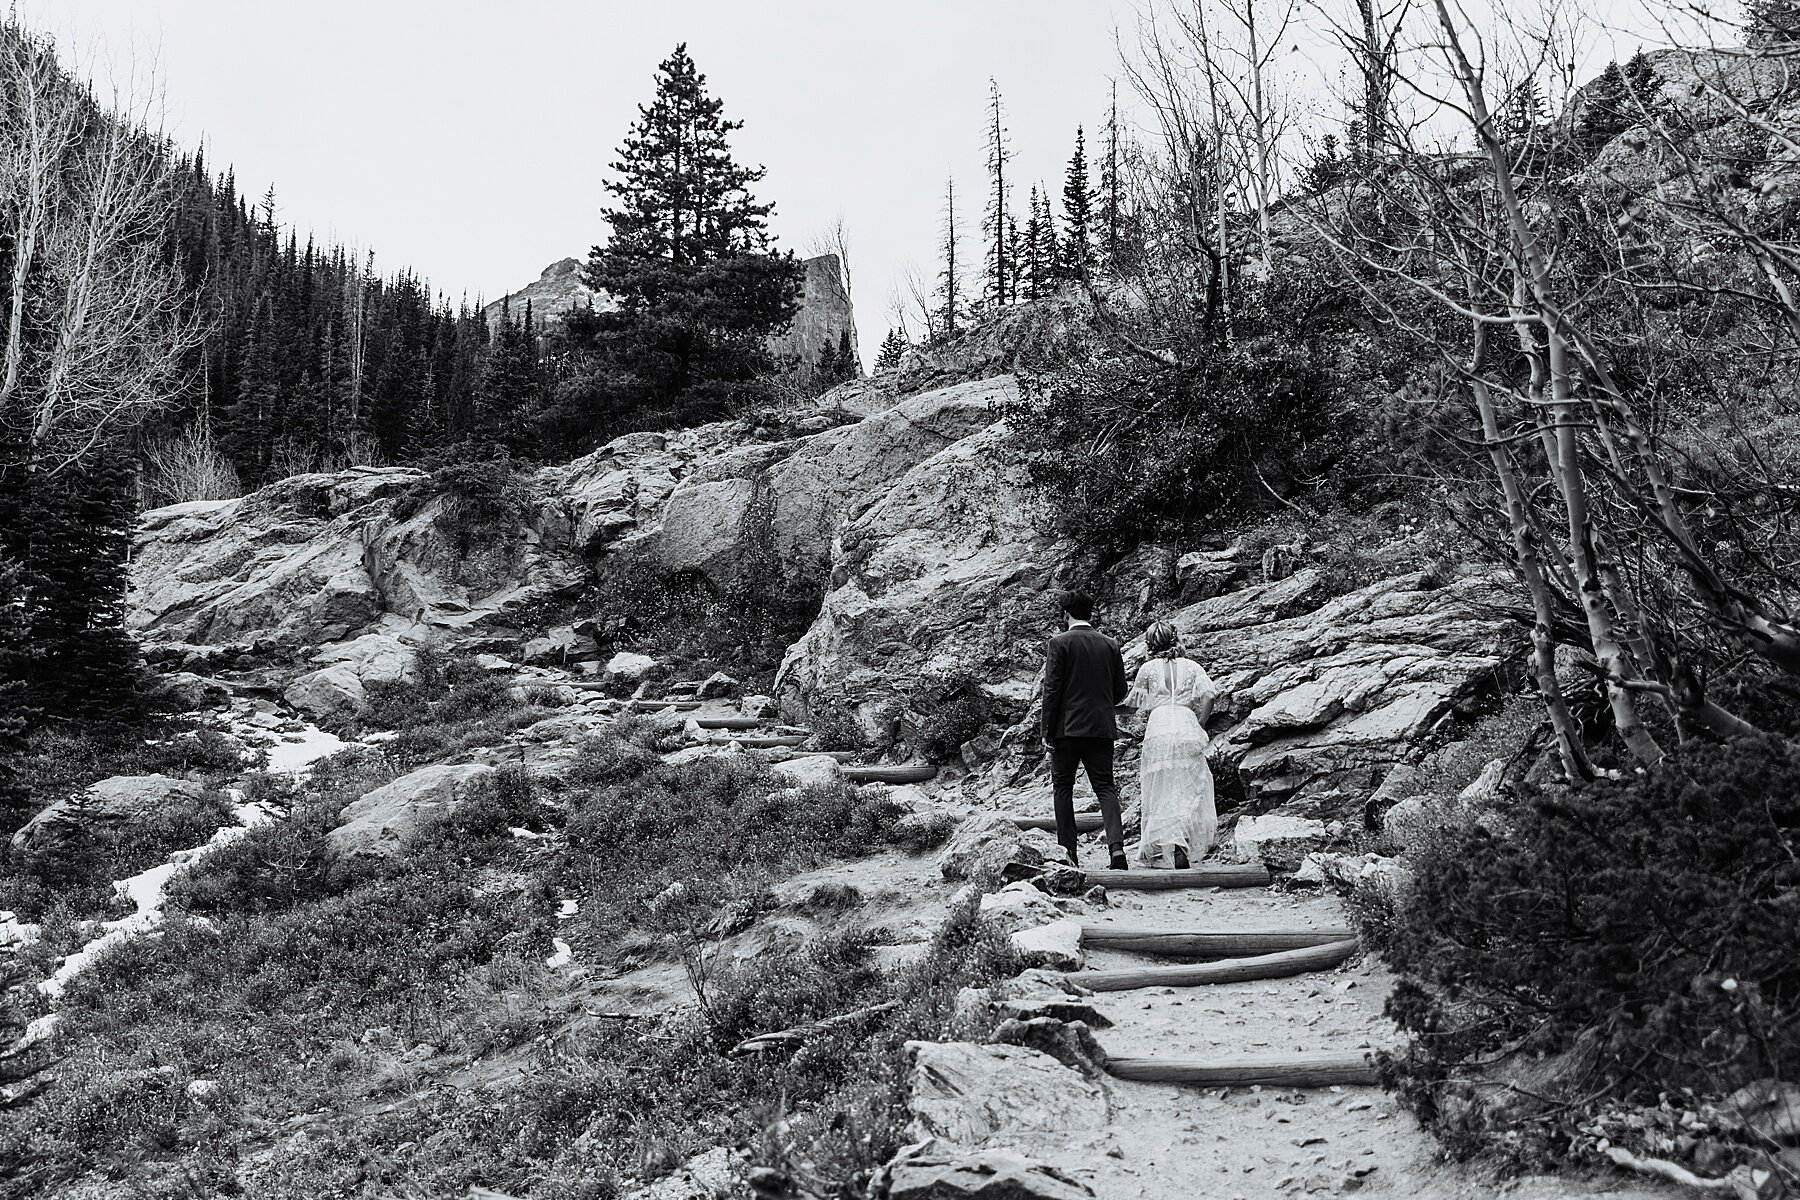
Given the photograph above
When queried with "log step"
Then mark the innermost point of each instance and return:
(1207, 943)
(889, 774)
(1147, 880)
(766, 743)
(1319, 1068)
(730, 722)
(1084, 822)
(1227, 970)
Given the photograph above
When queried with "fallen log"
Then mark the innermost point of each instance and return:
(793, 1039)
(889, 774)
(1196, 943)
(730, 722)
(1084, 822)
(1220, 876)
(1228, 970)
(1324, 1068)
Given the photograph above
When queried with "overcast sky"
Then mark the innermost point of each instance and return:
(469, 140)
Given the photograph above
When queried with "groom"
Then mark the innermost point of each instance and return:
(1084, 680)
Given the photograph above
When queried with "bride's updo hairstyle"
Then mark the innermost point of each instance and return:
(1162, 641)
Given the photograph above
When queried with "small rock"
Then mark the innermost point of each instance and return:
(757, 706)
(1056, 945)
(718, 685)
(929, 1173)
(1769, 1109)
(813, 770)
(627, 665)
(1069, 1042)
(982, 846)
(204, 1091)
(967, 1094)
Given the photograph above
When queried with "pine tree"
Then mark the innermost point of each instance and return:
(16, 715)
(508, 396)
(691, 267)
(681, 196)
(1077, 249)
(892, 348)
(949, 281)
(996, 219)
(1038, 260)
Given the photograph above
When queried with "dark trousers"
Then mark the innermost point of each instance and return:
(1095, 754)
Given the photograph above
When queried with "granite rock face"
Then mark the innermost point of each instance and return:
(972, 1095)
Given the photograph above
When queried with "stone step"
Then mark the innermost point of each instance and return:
(1227, 876)
(1226, 970)
(1302, 1069)
(907, 774)
(1207, 943)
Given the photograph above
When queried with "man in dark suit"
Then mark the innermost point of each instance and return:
(1084, 680)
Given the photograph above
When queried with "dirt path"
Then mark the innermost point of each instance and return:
(1179, 1142)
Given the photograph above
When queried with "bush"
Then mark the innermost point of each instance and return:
(1658, 914)
(959, 709)
(1173, 447)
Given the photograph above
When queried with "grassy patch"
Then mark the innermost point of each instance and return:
(307, 988)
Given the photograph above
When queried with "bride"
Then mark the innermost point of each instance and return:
(1175, 793)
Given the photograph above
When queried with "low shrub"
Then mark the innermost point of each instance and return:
(957, 709)
(1658, 915)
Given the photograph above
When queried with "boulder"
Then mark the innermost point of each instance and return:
(718, 686)
(556, 646)
(339, 687)
(1056, 945)
(969, 1095)
(1280, 843)
(628, 665)
(379, 824)
(758, 706)
(188, 692)
(982, 845)
(812, 770)
(932, 1173)
(1018, 906)
(107, 802)
(1768, 1108)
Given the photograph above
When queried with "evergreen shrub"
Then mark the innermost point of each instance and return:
(1658, 914)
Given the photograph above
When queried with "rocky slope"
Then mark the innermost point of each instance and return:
(908, 510)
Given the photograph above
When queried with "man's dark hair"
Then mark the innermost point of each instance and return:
(1078, 605)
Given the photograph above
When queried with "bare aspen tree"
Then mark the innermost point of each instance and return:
(100, 324)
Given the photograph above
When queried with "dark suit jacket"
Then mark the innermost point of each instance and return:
(1084, 679)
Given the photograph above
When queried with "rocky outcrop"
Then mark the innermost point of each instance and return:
(824, 317)
(379, 824)
(320, 558)
(316, 559)
(109, 801)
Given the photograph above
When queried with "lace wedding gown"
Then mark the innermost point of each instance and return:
(1175, 794)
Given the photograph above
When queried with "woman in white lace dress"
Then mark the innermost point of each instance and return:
(1175, 792)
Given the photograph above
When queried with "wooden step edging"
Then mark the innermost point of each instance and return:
(1206, 943)
(730, 722)
(1319, 1068)
(1084, 822)
(890, 774)
(1227, 970)
(1148, 880)
(763, 743)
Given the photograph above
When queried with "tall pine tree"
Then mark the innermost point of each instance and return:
(996, 220)
(690, 265)
(1077, 247)
(950, 295)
